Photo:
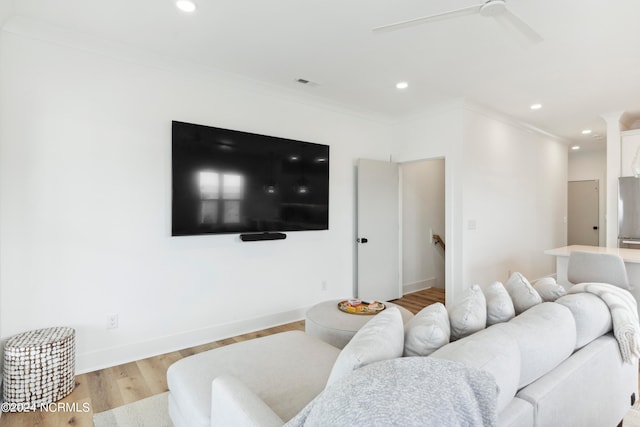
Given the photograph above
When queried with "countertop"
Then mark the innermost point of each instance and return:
(628, 255)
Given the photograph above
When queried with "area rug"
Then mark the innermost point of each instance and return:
(149, 412)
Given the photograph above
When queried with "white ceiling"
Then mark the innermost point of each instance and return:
(587, 65)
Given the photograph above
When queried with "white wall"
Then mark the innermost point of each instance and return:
(504, 179)
(515, 190)
(586, 165)
(423, 205)
(85, 197)
(6, 10)
(85, 193)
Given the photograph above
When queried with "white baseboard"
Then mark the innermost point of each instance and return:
(105, 358)
(409, 288)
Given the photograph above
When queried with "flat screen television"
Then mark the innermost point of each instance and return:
(227, 181)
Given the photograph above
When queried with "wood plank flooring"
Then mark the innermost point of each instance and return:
(416, 301)
(119, 385)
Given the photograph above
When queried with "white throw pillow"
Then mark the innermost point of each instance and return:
(522, 293)
(468, 315)
(592, 316)
(427, 331)
(380, 338)
(548, 289)
(499, 305)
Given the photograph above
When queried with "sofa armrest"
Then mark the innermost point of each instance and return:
(233, 403)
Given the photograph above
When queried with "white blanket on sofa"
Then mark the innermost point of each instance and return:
(624, 315)
(407, 392)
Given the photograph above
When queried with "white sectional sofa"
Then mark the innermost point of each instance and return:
(556, 364)
(544, 375)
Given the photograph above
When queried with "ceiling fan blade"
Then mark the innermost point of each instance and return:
(470, 10)
(508, 19)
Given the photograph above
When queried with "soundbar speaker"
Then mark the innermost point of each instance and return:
(254, 237)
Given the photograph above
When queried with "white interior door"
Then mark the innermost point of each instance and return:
(378, 230)
(582, 213)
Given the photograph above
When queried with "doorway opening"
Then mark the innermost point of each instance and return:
(400, 230)
(422, 219)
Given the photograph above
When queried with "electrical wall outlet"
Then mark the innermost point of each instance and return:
(112, 321)
(323, 285)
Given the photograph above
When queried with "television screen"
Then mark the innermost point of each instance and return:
(227, 181)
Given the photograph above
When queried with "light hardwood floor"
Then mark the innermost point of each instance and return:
(112, 387)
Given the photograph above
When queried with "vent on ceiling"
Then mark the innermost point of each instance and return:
(306, 82)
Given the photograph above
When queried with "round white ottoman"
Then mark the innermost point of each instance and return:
(326, 322)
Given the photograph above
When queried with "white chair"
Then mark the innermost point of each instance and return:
(597, 267)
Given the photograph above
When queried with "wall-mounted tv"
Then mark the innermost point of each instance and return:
(227, 181)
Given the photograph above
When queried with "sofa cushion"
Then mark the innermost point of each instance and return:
(469, 314)
(234, 404)
(286, 370)
(379, 339)
(591, 315)
(491, 350)
(546, 335)
(548, 289)
(522, 293)
(427, 331)
(499, 305)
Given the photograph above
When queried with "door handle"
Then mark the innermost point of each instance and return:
(362, 240)
(595, 227)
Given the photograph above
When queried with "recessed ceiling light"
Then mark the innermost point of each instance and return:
(186, 5)
(586, 131)
(535, 106)
(402, 85)
(575, 147)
